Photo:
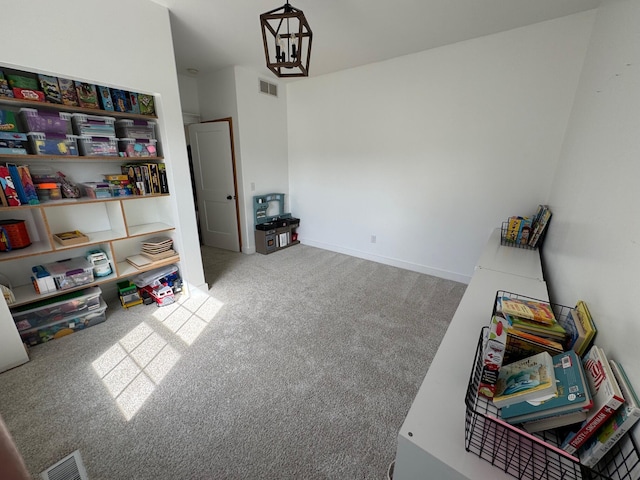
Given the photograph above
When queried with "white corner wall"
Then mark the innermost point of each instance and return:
(74, 39)
(592, 250)
(430, 152)
(260, 136)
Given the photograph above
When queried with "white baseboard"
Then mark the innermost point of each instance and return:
(414, 267)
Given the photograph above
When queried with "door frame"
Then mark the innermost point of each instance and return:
(229, 120)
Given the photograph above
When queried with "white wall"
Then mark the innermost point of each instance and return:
(188, 86)
(74, 39)
(260, 136)
(592, 250)
(430, 152)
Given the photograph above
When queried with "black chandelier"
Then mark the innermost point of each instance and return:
(287, 41)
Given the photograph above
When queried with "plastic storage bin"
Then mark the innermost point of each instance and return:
(100, 146)
(55, 309)
(139, 129)
(97, 189)
(46, 122)
(93, 125)
(48, 191)
(13, 143)
(70, 273)
(132, 147)
(52, 144)
(65, 326)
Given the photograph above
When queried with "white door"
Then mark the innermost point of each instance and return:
(214, 172)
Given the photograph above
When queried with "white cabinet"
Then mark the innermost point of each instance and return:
(431, 441)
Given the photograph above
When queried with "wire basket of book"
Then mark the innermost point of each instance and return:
(526, 232)
(534, 456)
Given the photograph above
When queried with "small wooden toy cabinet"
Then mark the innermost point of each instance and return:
(275, 229)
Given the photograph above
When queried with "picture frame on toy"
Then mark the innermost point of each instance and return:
(120, 100)
(49, 85)
(87, 95)
(133, 103)
(68, 92)
(106, 103)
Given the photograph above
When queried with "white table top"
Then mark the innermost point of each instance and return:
(516, 261)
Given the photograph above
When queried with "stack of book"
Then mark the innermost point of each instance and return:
(527, 231)
(532, 327)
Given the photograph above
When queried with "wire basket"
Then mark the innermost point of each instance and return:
(534, 456)
(505, 241)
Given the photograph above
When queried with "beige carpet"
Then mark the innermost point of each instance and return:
(301, 364)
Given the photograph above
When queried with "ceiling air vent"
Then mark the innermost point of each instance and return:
(69, 468)
(268, 88)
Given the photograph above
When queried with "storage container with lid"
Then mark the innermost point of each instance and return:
(132, 147)
(93, 125)
(52, 144)
(70, 273)
(34, 120)
(48, 191)
(56, 308)
(97, 189)
(140, 129)
(67, 325)
(98, 146)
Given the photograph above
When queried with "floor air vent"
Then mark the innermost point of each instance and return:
(69, 468)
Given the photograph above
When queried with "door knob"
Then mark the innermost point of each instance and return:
(229, 197)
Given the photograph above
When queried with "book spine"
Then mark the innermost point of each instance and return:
(625, 418)
(17, 183)
(162, 173)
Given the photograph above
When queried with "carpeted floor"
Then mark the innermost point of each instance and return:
(301, 364)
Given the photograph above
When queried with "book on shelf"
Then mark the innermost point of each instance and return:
(576, 335)
(553, 331)
(619, 424)
(569, 405)
(513, 228)
(526, 379)
(539, 312)
(540, 224)
(492, 355)
(524, 231)
(607, 398)
(586, 321)
(523, 344)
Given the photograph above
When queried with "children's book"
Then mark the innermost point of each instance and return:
(106, 103)
(572, 396)
(513, 228)
(540, 226)
(607, 398)
(28, 186)
(492, 355)
(619, 424)
(553, 331)
(576, 335)
(522, 344)
(586, 320)
(539, 312)
(524, 232)
(525, 379)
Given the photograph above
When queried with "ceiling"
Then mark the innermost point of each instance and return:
(209, 35)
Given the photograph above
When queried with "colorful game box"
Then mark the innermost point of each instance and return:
(49, 85)
(120, 100)
(106, 103)
(68, 92)
(87, 95)
(133, 103)
(147, 105)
